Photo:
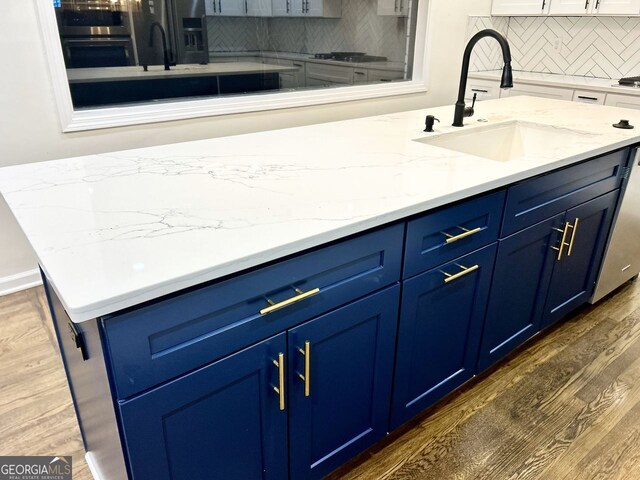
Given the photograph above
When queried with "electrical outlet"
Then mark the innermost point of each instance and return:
(557, 44)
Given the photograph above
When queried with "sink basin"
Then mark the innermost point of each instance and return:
(510, 141)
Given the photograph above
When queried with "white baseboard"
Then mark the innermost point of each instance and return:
(20, 281)
(93, 468)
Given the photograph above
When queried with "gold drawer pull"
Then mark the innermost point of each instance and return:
(280, 388)
(465, 271)
(465, 233)
(301, 296)
(573, 236)
(307, 368)
(563, 242)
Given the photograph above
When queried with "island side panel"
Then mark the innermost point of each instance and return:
(90, 390)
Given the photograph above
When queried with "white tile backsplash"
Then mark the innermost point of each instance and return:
(359, 29)
(603, 47)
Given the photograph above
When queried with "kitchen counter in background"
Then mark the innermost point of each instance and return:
(563, 81)
(114, 230)
(115, 74)
(306, 57)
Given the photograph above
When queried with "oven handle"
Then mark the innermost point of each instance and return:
(97, 40)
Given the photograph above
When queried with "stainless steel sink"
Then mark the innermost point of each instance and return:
(510, 141)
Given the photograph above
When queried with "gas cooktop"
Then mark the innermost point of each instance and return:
(630, 81)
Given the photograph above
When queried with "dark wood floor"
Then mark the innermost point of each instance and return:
(566, 407)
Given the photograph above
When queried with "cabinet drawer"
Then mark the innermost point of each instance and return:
(168, 338)
(534, 200)
(444, 235)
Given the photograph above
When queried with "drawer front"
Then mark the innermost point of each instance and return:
(442, 236)
(158, 342)
(586, 96)
(535, 200)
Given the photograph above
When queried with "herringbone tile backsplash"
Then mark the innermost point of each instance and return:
(359, 29)
(604, 47)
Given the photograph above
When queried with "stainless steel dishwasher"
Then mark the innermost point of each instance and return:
(622, 257)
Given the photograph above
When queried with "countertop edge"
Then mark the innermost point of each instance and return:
(133, 298)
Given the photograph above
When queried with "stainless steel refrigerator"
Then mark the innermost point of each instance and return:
(622, 258)
(185, 25)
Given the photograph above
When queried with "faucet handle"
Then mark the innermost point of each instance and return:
(469, 111)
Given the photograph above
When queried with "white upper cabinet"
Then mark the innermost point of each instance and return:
(393, 8)
(238, 8)
(281, 8)
(258, 8)
(316, 8)
(520, 7)
(571, 7)
(617, 7)
(225, 8)
(595, 7)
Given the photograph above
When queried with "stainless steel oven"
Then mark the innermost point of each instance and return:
(95, 33)
(94, 51)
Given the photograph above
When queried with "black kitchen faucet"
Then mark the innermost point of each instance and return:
(163, 35)
(507, 74)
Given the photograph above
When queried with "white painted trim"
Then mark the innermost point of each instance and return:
(20, 281)
(90, 119)
(93, 467)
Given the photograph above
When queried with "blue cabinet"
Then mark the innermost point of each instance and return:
(439, 333)
(221, 421)
(575, 273)
(340, 375)
(286, 370)
(520, 283)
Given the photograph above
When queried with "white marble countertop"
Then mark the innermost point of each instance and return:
(566, 81)
(307, 57)
(114, 230)
(113, 74)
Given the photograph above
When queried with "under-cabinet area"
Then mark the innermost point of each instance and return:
(291, 369)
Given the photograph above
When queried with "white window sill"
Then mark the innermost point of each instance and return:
(90, 119)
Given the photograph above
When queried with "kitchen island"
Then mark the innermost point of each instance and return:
(233, 305)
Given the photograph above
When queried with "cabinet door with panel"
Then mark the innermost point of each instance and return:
(623, 101)
(393, 8)
(340, 374)
(281, 8)
(439, 331)
(520, 7)
(574, 273)
(258, 8)
(538, 91)
(570, 7)
(616, 7)
(524, 265)
(221, 421)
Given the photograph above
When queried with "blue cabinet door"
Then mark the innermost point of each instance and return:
(574, 275)
(340, 374)
(521, 279)
(221, 421)
(439, 332)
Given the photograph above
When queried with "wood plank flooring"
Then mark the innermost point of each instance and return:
(566, 407)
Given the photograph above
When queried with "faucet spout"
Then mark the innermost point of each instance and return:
(507, 75)
(163, 37)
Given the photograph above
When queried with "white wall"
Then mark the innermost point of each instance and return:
(30, 131)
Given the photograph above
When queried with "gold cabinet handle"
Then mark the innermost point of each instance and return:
(280, 388)
(573, 236)
(465, 233)
(276, 306)
(563, 242)
(465, 271)
(306, 378)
